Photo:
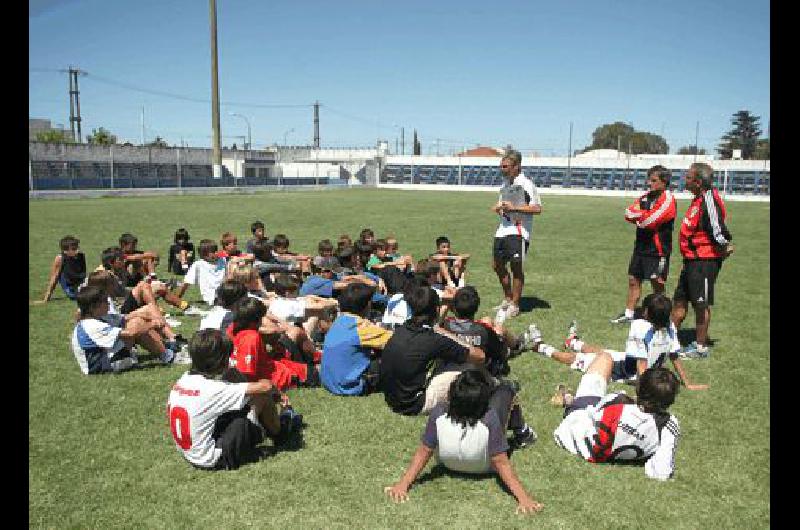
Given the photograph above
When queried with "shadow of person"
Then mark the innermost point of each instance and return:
(529, 303)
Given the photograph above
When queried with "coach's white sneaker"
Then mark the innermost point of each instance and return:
(195, 311)
(512, 310)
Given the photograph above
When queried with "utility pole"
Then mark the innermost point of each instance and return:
(569, 153)
(216, 153)
(696, 136)
(74, 102)
(142, 120)
(316, 124)
(402, 141)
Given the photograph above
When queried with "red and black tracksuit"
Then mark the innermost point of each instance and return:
(654, 222)
(704, 235)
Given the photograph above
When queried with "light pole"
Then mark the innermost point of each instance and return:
(249, 137)
(286, 136)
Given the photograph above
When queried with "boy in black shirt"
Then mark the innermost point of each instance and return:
(68, 270)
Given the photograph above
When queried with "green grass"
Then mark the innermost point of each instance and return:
(101, 455)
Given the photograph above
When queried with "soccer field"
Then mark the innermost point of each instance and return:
(101, 454)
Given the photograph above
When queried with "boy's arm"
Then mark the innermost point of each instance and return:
(525, 503)
(55, 270)
(476, 355)
(399, 492)
(678, 364)
(262, 386)
(661, 465)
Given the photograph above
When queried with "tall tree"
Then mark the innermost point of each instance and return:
(101, 137)
(417, 145)
(762, 149)
(744, 134)
(622, 136)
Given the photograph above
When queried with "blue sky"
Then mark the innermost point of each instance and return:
(466, 72)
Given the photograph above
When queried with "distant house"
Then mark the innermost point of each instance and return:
(482, 151)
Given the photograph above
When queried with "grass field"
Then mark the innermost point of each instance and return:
(101, 454)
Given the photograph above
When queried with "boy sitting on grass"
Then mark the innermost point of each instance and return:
(68, 270)
(259, 234)
(221, 315)
(102, 342)
(468, 436)
(140, 264)
(216, 417)
(207, 273)
(453, 266)
(600, 427)
(280, 247)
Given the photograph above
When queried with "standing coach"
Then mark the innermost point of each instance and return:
(512, 238)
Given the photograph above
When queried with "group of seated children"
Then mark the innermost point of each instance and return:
(358, 318)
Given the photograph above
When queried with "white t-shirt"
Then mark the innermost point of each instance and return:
(507, 226)
(213, 320)
(644, 342)
(630, 433)
(194, 404)
(397, 310)
(98, 347)
(207, 276)
(289, 309)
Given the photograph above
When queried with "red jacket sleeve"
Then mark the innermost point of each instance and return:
(634, 212)
(662, 212)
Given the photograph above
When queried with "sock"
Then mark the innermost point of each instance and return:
(167, 355)
(577, 345)
(629, 312)
(545, 349)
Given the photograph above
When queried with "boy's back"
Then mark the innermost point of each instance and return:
(97, 345)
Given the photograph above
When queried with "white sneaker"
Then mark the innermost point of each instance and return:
(534, 334)
(182, 356)
(500, 317)
(195, 311)
(172, 322)
(512, 310)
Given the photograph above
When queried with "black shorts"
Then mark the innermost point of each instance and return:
(648, 267)
(130, 304)
(696, 283)
(509, 248)
(237, 437)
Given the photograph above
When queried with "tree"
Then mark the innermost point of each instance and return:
(158, 142)
(417, 145)
(55, 136)
(762, 150)
(101, 137)
(691, 150)
(743, 135)
(622, 136)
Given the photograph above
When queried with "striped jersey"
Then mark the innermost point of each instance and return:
(616, 429)
(703, 231)
(98, 347)
(654, 217)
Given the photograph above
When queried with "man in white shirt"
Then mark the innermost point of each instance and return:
(513, 236)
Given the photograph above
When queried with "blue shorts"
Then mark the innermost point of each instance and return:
(69, 290)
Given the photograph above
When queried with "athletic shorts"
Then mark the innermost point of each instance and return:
(130, 304)
(236, 434)
(696, 283)
(509, 248)
(590, 391)
(649, 267)
(70, 290)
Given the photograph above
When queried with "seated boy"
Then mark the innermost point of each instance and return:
(216, 417)
(326, 282)
(259, 234)
(221, 315)
(602, 427)
(412, 350)
(350, 363)
(140, 264)
(468, 436)
(366, 237)
(102, 342)
(68, 269)
(453, 266)
(379, 259)
(651, 340)
(325, 250)
(228, 243)
(207, 272)
(268, 265)
(280, 247)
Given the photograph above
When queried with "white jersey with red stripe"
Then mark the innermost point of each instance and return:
(195, 402)
(520, 223)
(617, 430)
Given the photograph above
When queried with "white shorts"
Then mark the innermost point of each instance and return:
(583, 360)
(592, 385)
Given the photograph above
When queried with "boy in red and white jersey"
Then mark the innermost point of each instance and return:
(602, 427)
(217, 422)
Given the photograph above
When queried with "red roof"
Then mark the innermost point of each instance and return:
(481, 151)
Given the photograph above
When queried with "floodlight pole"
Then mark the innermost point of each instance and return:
(216, 153)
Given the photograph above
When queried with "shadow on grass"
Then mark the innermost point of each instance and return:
(688, 335)
(529, 303)
(439, 471)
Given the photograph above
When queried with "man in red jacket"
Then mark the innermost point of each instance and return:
(654, 216)
(705, 242)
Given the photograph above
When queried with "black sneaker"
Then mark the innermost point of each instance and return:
(525, 437)
(621, 319)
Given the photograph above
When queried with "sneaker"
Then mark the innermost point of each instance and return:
(512, 310)
(168, 356)
(563, 396)
(694, 351)
(195, 311)
(173, 323)
(529, 339)
(525, 437)
(500, 317)
(503, 305)
(182, 356)
(621, 319)
(572, 334)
